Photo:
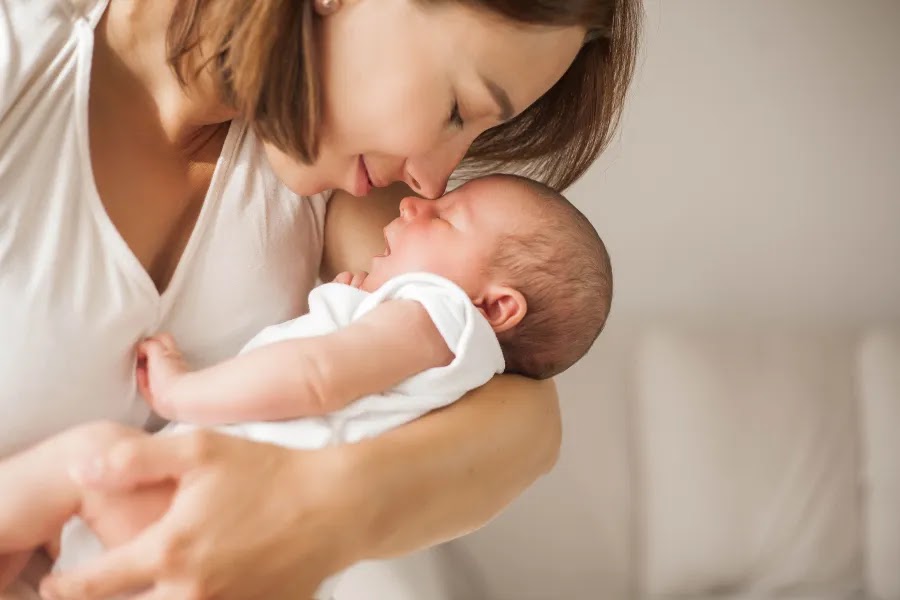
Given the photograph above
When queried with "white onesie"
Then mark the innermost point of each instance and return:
(334, 305)
(477, 358)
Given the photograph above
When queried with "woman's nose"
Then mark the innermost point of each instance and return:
(424, 183)
(428, 175)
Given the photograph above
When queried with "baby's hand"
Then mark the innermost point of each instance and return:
(160, 365)
(354, 279)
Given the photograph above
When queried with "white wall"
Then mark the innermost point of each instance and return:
(757, 178)
(758, 169)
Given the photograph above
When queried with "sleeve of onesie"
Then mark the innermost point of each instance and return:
(477, 353)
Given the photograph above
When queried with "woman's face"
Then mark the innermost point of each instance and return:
(409, 86)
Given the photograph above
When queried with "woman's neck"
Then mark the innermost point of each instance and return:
(133, 32)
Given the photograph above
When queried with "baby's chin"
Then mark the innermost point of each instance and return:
(382, 269)
(378, 273)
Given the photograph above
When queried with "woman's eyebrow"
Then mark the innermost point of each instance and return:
(500, 97)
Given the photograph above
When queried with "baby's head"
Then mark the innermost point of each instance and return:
(528, 259)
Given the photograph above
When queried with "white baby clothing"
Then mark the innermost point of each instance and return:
(477, 358)
(334, 305)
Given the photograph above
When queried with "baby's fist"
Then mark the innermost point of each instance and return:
(159, 366)
(353, 279)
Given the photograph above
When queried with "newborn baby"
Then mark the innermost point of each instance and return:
(499, 275)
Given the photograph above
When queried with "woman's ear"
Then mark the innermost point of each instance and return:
(503, 307)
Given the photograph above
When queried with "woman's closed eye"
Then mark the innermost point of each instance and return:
(456, 119)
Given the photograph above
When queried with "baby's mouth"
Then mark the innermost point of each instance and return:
(387, 244)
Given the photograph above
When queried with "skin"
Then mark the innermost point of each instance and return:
(153, 149)
(394, 62)
(457, 236)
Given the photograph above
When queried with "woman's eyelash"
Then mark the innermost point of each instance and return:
(455, 117)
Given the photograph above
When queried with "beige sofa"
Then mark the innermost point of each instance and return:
(754, 462)
(716, 462)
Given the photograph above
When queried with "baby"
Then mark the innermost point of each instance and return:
(500, 275)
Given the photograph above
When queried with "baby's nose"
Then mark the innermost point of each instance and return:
(410, 207)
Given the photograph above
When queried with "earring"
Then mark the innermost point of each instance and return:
(326, 7)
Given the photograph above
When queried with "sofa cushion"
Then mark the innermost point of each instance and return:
(570, 534)
(879, 388)
(748, 464)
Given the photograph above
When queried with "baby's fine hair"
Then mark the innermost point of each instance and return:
(561, 266)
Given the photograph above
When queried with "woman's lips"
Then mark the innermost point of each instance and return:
(363, 180)
(374, 180)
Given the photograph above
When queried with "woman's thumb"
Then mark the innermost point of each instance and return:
(142, 460)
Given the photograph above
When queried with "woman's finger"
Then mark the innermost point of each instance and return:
(165, 592)
(123, 569)
(144, 460)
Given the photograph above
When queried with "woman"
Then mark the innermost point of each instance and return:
(141, 147)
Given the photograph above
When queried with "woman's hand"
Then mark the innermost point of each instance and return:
(11, 565)
(251, 520)
(248, 520)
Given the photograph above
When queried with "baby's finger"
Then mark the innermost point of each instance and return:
(152, 349)
(167, 341)
(346, 277)
(358, 278)
(143, 380)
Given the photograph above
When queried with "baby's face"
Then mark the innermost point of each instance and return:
(454, 236)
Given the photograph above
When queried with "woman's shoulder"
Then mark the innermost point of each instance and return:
(91, 9)
(353, 231)
(27, 26)
(34, 34)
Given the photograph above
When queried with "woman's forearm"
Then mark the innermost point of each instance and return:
(450, 472)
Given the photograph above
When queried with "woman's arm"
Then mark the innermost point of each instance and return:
(293, 517)
(451, 471)
(248, 508)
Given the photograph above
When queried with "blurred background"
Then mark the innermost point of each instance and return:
(735, 433)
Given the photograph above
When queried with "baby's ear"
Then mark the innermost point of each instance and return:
(503, 307)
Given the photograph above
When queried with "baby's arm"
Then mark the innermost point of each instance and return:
(299, 377)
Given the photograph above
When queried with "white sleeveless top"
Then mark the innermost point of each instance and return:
(73, 298)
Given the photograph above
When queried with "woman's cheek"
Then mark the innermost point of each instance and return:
(416, 128)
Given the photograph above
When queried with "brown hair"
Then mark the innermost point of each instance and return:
(562, 268)
(558, 137)
(555, 140)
